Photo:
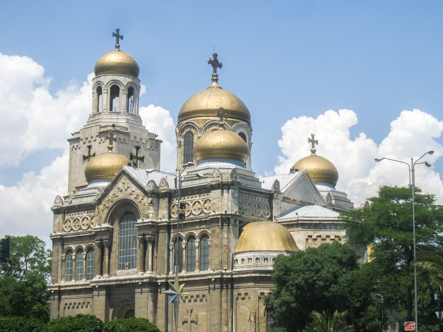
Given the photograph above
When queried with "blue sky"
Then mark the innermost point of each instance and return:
(285, 59)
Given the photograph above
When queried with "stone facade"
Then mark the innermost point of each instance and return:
(114, 240)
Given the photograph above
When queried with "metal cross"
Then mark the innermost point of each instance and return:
(111, 139)
(214, 63)
(136, 158)
(313, 142)
(89, 156)
(222, 115)
(117, 37)
(190, 319)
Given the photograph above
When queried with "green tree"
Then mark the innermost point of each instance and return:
(386, 226)
(433, 263)
(23, 290)
(326, 323)
(131, 325)
(323, 279)
(78, 323)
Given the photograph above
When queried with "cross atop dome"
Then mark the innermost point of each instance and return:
(215, 64)
(117, 36)
(313, 142)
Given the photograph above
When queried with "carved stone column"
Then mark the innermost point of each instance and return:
(149, 252)
(197, 255)
(74, 267)
(98, 258)
(171, 258)
(185, 256)
(106, 245)
(140, 253)
(63, 268)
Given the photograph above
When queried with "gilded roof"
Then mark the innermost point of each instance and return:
(265, 236)
(105, 166)
(116, 62)
(208, 102)
(320, 169)
(221, 143)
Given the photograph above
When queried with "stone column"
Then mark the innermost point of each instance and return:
(63, 268)
(140, 253)
(149, 253)
(185, 256)
(84, 265)
(171, 258)
(74, 267)
(106, 245)
(197, 255)
(98, 258)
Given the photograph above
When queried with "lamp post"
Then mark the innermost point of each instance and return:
(411, 173)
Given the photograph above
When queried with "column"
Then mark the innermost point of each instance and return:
(74, 267)
(149, 252)
(185, 256)
(171, 258)
(106, 245)
(197, 255)
(98, 258)
(140, 253)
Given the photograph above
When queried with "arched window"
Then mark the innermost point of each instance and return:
(188, 148)
(79, 266)
(190, 255)
(69, 264)
(180, 254)
(204, 253)
(127, 242)
(242, 135)
(90, 265)
(131, 100)
(99, 99)
(115, 98)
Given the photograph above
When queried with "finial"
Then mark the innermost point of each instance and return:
(222, 115)
(215, 64)
(117, 37)
(111, 139)
(313, 142)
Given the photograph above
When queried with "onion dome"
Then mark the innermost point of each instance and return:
(221, 144)
(117, 62)
(265, 236)
(105, 166)
(208, 102)
(320, 169)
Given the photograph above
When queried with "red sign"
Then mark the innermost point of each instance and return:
(409, 326)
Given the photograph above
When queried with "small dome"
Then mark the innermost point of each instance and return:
(208, 102)
(221, 143)
(105, 166)
(117, 62)
(320, 169)
(265, 236)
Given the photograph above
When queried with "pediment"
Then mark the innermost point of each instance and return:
(302, 188)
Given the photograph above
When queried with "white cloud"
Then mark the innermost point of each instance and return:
(412, 133)
(158, 120)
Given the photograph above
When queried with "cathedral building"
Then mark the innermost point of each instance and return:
(125, 227)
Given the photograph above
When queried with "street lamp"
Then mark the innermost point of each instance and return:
(412, 184)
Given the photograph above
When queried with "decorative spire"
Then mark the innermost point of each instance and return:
(117, 36)
(215, 64)
(111, 139)
(313, 142)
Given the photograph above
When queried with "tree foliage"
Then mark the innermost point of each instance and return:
(433, 263)
(386, 227)
(80, 323)
(23, 282)
(130, 325)
(324, 279)
(327, 323)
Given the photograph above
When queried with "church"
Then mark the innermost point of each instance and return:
(126, 229)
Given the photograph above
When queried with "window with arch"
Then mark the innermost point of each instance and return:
(178, 248)
(127, 242)
(204, 253)
(79, 266)
(242, 135)
(90, 264)
(131, 100)
(188, 147)
(99, 99)
(69, 266)
(190, 255)
(115, 98)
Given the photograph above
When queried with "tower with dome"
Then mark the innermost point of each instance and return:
(115, 238)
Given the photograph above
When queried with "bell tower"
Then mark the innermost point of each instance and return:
(115, 111)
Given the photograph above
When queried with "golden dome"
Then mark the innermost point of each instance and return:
(105, 166)
(265, 236)
(221, 143)
(209, 101)
(116, 62)
(320, 169)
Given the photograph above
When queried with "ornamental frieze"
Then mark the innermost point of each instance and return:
(195, 205)
(79, 221)
(255, 206)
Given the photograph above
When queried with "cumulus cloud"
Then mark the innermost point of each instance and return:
(412, 133)
(158, 120)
